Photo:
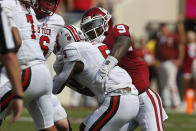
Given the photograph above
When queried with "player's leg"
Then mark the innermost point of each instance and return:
(151, 113)
(38, 96)
(41, 111)
(131, 126)
(113, 113)
(60, 116)
(5, 95)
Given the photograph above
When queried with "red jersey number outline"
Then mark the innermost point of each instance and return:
(30, 20)
(103, 49)
(45, 48)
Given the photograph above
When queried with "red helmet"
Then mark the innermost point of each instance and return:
(96, 23)
(47, 7)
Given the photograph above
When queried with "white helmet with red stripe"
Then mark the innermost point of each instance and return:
(69, 34)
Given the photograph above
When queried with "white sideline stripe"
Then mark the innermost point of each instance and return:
(29, 119)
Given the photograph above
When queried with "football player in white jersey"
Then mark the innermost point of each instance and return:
(48, 27)
(81, 62)
(36, 78)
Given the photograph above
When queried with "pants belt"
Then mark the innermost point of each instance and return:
(123, 91)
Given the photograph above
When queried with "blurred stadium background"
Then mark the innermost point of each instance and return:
(144, 18)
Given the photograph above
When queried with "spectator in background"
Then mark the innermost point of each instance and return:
(169, 51)
(146, 54)
(190, 57)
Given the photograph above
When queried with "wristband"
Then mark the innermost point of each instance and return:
(108, 64)
(18, 97)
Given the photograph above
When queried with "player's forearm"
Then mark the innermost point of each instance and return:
(17, 38)
(121, 47)
(59, 83)
(13, 70)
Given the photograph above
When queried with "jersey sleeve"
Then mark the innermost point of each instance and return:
(61, 21)
(6, 42)
(119, 30)
(71, 56)
(8, 7)
(70, 53)
(60, 80)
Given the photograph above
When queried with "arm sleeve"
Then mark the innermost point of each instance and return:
(7, 7)
(61, 79)
(120, 29)
(6, 42)
(71, 56)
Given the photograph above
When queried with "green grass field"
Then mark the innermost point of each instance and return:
(176, 121)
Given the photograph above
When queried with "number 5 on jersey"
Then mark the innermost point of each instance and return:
(104, 50)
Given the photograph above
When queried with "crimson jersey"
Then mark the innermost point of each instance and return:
(135, 66)
(190, 56)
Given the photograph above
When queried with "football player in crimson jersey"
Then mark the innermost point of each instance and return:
(48, 26)
(97, 25)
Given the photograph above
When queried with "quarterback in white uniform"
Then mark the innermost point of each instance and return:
(36, 78)
(49, 24)
(118, 97)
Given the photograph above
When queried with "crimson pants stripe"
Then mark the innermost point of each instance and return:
(107, 115)
(26, 78)
(160, 106)
(155, 109)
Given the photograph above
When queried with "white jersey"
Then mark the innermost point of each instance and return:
(47, 30)
(92, 56)
(26, 22)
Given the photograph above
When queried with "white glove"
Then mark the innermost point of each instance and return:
(103, 72)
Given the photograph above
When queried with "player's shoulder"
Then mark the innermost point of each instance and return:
(119, 29)
(77, 45)
(57, 20)
(5, 3)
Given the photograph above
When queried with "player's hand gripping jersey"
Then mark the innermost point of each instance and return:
(24, 19)
(134, 65)
(47, 29)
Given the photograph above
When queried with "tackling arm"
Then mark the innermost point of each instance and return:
(17, 38)
(121, 46)
(119, 50)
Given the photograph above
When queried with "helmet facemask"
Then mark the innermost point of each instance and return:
(94, 30)
(47, 7)
(96, 24)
